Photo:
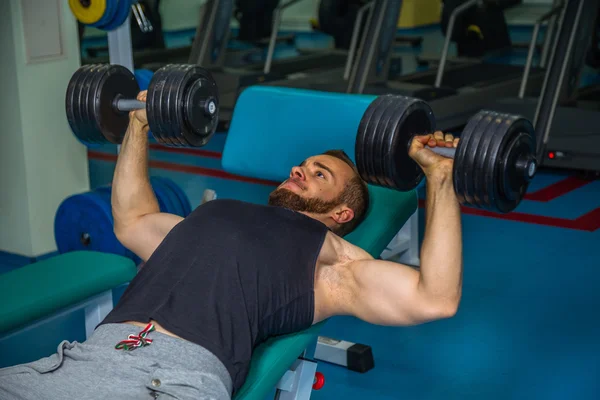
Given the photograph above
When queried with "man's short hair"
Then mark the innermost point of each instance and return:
(355, 195)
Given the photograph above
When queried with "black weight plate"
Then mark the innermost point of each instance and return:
(498, 133)
(364, 138)
(153, 109)
(513, 170)
(477, 179)
(458, 169)
(479, 142)
(74, 117)
(496, 200)
(116, 81)
(86, 99)
(171, 104)
(163, 105)
(80, 102)
(166, 102)
(488, 158)
(412, 117)
(360, 158)
(377, 128)
(386, 129)
(177, 85)
(201, 109)
(464, 158)
(197, 126)
(377, 125)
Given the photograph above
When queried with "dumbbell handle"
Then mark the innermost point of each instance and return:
(447, 152)
(127, 105)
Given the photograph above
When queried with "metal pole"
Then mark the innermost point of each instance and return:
(532, 43)
(449, 30)
(273, 40)
(354, 40)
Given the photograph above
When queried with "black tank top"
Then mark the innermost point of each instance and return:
(228, 277)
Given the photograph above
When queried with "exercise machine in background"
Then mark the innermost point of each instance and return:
(454, 91)
(566, 117)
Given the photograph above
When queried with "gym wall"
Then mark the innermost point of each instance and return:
(41, 162)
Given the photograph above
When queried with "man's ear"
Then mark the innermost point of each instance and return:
(342, 214)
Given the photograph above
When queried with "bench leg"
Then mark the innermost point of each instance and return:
(404, 247)
(297, 382)
(97, 311)
(354, 356)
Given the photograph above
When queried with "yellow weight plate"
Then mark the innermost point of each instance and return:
(88, 11)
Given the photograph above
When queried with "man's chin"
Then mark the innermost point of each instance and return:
(283, 197)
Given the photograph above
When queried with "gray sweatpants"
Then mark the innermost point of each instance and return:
(169, 368)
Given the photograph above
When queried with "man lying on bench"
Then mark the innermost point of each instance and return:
(232, 274)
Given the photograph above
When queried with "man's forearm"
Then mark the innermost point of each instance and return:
(441, 252)
(132, 195)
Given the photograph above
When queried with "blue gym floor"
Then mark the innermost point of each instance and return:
(527, 326)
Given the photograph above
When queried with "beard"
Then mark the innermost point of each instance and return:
(282, 197)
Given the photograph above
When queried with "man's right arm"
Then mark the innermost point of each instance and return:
(138, 223)
(388, 293)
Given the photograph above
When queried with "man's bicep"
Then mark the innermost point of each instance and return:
(147, 233)
(388, 293)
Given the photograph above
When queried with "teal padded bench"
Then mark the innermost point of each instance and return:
(36, 293)
(271, 130)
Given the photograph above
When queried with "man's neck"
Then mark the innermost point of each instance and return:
(325, 220)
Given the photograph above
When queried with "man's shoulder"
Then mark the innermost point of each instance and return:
(339, 251)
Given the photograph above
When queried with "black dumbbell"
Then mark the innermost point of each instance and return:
(182, 104)
(493, 162)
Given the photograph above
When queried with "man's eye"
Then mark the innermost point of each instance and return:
(320, 174)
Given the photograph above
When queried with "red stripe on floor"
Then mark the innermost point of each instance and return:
(588, 222)
(190, 169)
(185, 150)
(557, 189)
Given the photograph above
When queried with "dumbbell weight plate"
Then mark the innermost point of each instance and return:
(196, 88)
(384, 137)
(513, 180)
(514, 140)
(154, 111)
(364, 138)
(85, 105)
(115, 81)
(486, 159)
(417, 119)
(463, 169)
(72, 104)
(386, 127)
(374, 143)
(168, 104)
(485, 173)
(176, 104)
(476, 162)
(380, 122)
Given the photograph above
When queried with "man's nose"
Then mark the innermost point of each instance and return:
(298, 173)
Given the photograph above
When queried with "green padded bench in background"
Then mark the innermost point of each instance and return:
(36, 294)
(273, 129)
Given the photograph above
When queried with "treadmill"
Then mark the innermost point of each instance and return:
(455, 92)
(566, 119)
(209, 51)
(380, 66)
